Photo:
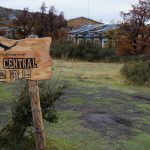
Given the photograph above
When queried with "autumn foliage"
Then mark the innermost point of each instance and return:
(43, 23)
(134, 32)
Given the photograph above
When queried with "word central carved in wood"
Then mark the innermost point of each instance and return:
(25, 59)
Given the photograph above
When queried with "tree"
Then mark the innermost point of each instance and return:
(111, 35)
(22, 24)
(56, 23)
(134, 33)
(43, 23)
(43, 19)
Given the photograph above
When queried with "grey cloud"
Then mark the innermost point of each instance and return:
(99, 9)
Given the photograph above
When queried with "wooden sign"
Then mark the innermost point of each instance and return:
(28, 59)
(25, 59)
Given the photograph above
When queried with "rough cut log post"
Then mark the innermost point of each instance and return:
(37, 115)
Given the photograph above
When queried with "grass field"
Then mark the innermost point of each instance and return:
(98, 111)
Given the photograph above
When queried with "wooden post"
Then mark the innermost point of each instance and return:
(37, 115)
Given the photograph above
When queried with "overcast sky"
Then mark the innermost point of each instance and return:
(105, 10)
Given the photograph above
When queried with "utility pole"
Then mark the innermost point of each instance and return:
(89, 11)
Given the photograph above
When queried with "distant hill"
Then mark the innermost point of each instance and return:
(7, 14)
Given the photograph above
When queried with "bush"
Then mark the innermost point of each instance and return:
(137, 72)
(62, 48)
(18, 134)
(90, 52)
(84, 51)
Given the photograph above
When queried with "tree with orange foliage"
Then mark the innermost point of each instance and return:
(112, 36)
(134, 32)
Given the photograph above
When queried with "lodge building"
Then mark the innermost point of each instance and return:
(91, 33)
(79, 22)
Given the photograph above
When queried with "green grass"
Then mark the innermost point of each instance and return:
(96, 75)
(5, 94)
(146, 120)
(76, 101)
(140, 142)
(70, 133)
(103, 102)
(143, 107)
(58, 144)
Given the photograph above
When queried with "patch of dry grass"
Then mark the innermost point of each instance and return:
(87, 70)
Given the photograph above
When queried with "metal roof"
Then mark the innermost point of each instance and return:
(107, 27)
(5, 28)
(91, 31)
(98, 27)
(85, 28)
(89, 35)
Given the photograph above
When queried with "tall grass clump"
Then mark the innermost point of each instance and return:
(137, 73)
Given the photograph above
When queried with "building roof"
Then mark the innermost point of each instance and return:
(85, 18)
(97, 27)
(106, 27)
(4, 28)
(91, 31)
(89, 35)
(85, 28)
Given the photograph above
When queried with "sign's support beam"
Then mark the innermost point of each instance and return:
(37, 115)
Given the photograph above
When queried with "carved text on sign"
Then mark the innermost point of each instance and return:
(19, 63)
(27, 58)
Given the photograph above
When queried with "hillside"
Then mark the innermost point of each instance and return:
(7, 14)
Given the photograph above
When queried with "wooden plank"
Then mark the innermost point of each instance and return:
(27, 58)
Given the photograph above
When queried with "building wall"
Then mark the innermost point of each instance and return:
(104, 42)
(97, 41)
(78, 22)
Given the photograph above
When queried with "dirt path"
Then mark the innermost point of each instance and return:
(110, 112)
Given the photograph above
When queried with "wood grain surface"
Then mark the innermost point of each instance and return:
(27, 58)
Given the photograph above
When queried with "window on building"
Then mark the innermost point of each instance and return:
(80, 40)
(88, 40)
(96, 41)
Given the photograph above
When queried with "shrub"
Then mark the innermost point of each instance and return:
(137, 72)
(89, 51)
(62, 48)
(18, 134)
(84, 51)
